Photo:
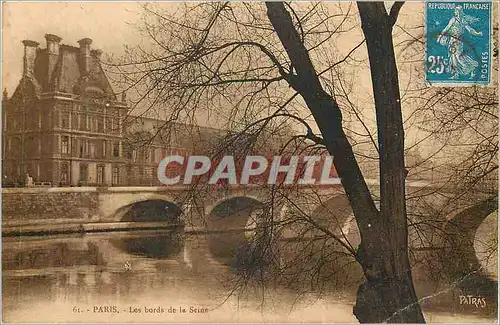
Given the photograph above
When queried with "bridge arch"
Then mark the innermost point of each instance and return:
(459, 251)
(235, 213)
(116, 206)
(209, 208)
(233, 223)
(460, 236)
(335, 214)
(150, 211)
(486, 244)
(309, 248)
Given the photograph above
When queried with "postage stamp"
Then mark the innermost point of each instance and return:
(458, 43)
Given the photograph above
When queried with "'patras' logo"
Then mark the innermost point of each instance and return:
(478, 301)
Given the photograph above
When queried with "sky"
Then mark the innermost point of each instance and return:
(111, 26)
(107, 24)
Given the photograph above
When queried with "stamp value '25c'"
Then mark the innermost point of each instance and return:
(458, 43)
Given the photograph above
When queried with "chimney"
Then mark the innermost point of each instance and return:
(85, 54)
(30, 48)
(53, 55)
(52, 43)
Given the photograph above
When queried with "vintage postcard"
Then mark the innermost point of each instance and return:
(249, 162)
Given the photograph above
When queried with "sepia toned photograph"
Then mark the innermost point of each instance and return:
(250, 162)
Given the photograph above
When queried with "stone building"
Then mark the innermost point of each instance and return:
(63, 124)
(146, 141)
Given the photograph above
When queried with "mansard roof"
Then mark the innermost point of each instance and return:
(64, 70)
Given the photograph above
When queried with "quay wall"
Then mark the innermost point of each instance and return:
(33, 205)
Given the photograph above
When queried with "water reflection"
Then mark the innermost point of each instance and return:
(45, 277)
(160, 246)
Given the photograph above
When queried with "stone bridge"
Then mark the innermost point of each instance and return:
(208, 210)
(28, 209)
(79, 209)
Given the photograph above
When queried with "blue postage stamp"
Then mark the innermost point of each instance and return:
(458, 43)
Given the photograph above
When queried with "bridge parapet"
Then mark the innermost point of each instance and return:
(25, 206)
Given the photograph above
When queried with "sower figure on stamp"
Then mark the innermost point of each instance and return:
(460, 63)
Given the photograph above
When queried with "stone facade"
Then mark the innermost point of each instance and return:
(63, 124)
(31, 206)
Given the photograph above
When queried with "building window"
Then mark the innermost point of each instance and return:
(100, 174)
(64, 174)
(17, 147)
(108, 125)
(84, 148)
(29, 122)
(64, 144)
(94, 123)
(56, 119)
(116, 149)
(104, 153)
(65, 120)
(149, 175)
(84, 122)
(29, 145)
(114, 125)
(83, 173)
(39, 113)
(157, 155)
(100, 124)
(92, 149)
(147, 155)
(74, 121)
(116, 176)
(141, 175)
(134, 155)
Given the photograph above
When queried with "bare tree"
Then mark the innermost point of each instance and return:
(462, 124)
(225, 58)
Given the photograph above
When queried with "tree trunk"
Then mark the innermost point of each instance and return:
(390, 281)
(388, 294)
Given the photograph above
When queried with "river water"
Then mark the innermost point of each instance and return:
(155, 277)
